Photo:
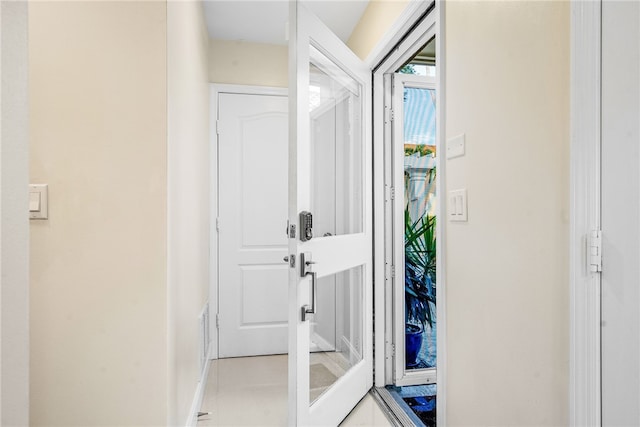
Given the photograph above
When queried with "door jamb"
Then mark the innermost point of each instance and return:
(383, 336)
(215, 89)
(585, 406)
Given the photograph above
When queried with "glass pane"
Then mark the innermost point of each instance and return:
(335, 107)
(336, 329)
(420, 227)
(423, 63)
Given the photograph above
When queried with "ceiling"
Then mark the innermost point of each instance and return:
(264, 21)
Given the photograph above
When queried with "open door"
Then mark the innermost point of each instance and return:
(330, 223)
(415, 214)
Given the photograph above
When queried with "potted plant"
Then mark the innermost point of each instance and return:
(419, 282)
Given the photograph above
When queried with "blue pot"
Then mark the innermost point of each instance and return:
(412, 344)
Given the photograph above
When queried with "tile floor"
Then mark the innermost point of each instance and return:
(252, 391)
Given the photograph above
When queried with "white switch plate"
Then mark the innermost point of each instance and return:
(455, 147)
(38, 201)
(457, 208)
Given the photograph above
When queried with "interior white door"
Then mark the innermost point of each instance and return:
(252, 181)
(329, 177)
(620, 213)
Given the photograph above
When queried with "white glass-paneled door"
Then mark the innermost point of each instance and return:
(415, 214)
(330, 223)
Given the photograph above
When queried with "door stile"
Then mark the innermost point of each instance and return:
(298, 201)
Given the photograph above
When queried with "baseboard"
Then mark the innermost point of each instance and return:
(199, 395)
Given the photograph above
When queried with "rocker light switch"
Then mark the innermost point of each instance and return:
(457, 205)
(34, 202)
(38, 201)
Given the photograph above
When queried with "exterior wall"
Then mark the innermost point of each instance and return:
(244, 63)
(98, 123)
(188, 198)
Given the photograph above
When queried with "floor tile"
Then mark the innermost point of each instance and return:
(252, 391)
(367, 413)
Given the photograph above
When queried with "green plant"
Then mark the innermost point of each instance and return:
(420, 269)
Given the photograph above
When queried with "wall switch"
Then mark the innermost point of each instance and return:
(38, 201)
(457, 208)
(455, 147)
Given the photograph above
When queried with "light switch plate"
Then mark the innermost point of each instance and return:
(457, 208)
(455, 147)
(38, 201)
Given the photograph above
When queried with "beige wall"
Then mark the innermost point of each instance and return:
(99, 264)
(375, 22)
(188, 193)
(507, 89)
(245, 63)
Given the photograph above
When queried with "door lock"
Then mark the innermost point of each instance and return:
(306, 226)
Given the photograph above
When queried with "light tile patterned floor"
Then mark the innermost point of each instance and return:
(252, 391)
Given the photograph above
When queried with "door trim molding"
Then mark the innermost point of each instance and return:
(584, 357)
(383, 337)
(215, 89)
(14, 221)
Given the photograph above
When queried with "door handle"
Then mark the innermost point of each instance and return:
(310, 309)
(305, 270)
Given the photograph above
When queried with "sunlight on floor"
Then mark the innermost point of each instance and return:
(252, 391)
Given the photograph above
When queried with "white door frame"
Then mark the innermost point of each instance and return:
(214, 92)
(14, 219)
(414, 12)
(584, 378)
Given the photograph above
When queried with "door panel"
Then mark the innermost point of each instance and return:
(620, 213)
(252, 148)
(330, 310)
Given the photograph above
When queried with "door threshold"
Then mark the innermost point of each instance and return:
(395, 414)
(413, 406)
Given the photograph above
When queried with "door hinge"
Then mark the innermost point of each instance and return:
(393, 193)
(217, 320)
(217, 224)
(393, 271)
(218, 127)
(390, 115)
(393, 350)
(595, 251)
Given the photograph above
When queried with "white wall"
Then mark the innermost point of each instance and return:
(14, 228)
(188, 198)
(507, 89)
(98, 123)
(245, 63)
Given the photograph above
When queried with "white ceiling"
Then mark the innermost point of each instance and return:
(264, 21)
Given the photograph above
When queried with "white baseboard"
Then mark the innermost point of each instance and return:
(199, 395)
